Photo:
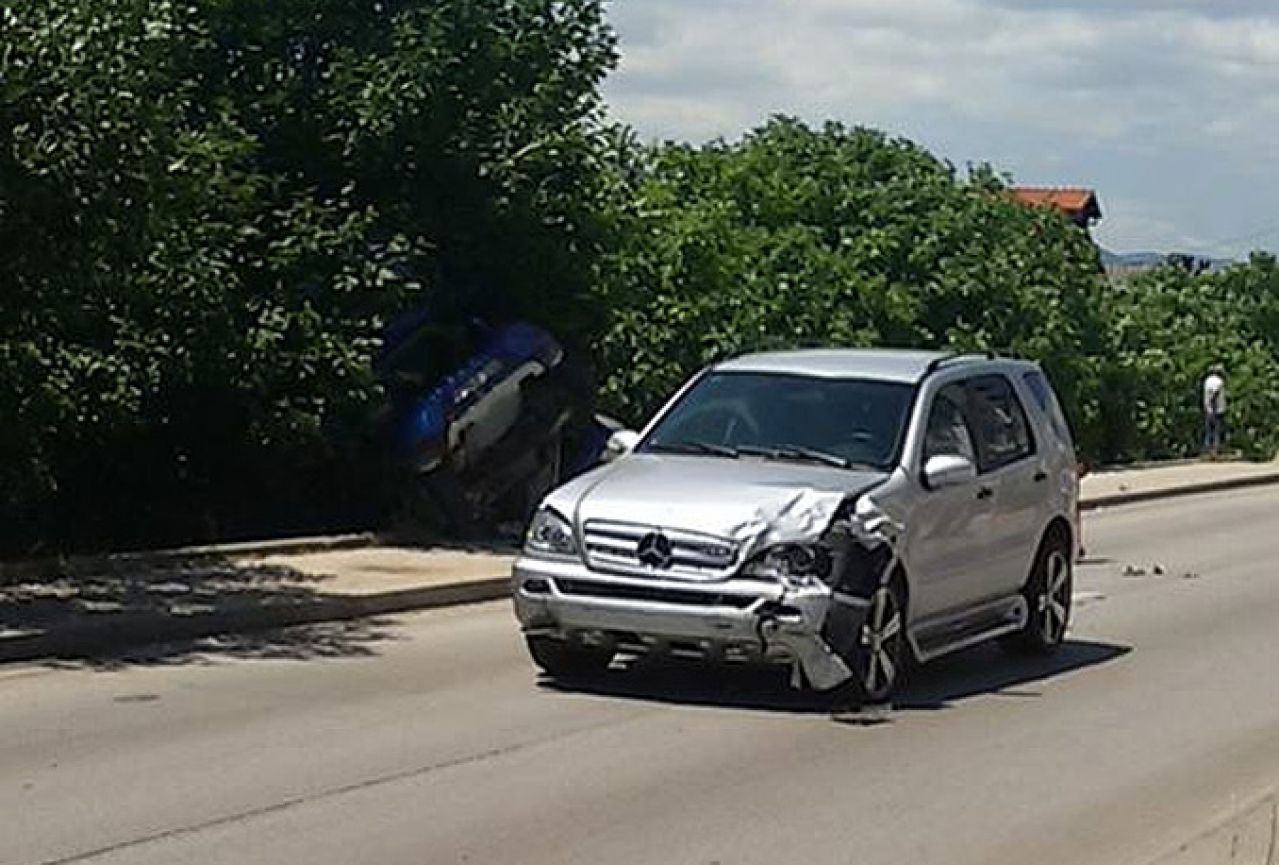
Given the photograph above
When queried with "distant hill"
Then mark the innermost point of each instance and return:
(1131, 259)
(1144, 260)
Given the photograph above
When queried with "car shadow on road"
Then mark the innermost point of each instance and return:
(988, 669)
(189, 610)
(984, 670)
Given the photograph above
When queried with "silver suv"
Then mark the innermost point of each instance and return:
(841, 511)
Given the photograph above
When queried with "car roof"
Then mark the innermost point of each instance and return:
(905, 366)
(881, 364)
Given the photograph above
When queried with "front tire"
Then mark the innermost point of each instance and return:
(565, 659)
(879, 659)
(1048, 594)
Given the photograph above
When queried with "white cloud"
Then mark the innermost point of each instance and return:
(1126, 218)
(1132, 97)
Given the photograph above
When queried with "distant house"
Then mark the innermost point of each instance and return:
(1079, 204)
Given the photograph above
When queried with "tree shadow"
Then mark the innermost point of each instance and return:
(190, 610)
(318, 641)
(983, 670)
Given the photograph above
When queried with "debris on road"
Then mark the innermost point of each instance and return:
(1156, 569)
(1084, 599)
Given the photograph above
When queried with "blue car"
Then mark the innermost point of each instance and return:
(487, 417)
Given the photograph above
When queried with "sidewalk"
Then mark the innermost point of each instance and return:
(100, 605)
(1125, 486)
(115, 604)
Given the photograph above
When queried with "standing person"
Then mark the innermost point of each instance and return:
(1214, 405)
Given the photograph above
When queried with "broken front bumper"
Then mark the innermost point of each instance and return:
(760, 619)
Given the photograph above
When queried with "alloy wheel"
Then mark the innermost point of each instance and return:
(1054, 601)
(881, 640)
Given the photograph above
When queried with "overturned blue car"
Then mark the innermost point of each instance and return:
(487, 417)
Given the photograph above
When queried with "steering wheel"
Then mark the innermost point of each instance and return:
(719, 423)
(857, 441)
(857, 437)
(743, 420)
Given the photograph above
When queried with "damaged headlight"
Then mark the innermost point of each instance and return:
(794, 563)
(550, 535)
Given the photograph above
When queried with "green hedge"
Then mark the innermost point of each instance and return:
(207, 211)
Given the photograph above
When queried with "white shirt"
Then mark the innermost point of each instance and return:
(1215, 394)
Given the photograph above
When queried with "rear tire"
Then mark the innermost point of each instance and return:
(564, 659)
(1048, 594)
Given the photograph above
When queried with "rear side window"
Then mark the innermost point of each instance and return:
(1037, 384)
(999, 421)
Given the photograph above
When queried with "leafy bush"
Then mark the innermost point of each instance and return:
(840, 236)
(208, 210)
(1165, 329)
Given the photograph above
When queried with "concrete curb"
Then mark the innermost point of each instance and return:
(1136, 496)
(140, 629)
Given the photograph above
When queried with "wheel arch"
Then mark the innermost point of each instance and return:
(899, 578)
(1058, 528)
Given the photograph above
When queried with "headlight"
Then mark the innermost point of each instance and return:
(475, 384)
(550, 535)
(792, 563)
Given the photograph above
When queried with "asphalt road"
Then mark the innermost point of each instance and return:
(427, 739)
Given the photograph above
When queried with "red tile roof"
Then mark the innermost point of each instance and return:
(1075, 201)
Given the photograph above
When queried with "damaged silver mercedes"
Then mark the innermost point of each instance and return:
(844, 512)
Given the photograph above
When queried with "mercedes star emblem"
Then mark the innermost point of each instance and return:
(655, 550)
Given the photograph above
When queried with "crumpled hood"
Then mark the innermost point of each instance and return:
(758, 502)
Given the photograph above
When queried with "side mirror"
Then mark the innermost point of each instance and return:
(948, 471)
(620, 444)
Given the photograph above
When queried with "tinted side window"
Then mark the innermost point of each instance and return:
(948, 433)
(999, 421)
(1043, 393)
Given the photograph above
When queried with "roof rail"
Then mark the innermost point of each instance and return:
(936, 363)
(958, 357)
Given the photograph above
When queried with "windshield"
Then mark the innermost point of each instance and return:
(849, 422)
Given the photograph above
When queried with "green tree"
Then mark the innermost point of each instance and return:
(841, 236)
(209, 209)
(1165, 329)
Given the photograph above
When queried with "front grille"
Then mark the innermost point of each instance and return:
(616, 547)
(592, 589)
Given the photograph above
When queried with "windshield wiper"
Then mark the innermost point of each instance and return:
(694, 447)
(798, 453)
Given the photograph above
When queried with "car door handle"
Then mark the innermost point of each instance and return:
(985, 492)
(1041, 475)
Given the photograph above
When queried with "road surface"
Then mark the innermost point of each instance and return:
(426, 739)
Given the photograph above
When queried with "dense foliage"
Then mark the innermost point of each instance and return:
(797, 236)
(841, 236)
(1164, 330)
(208, 210)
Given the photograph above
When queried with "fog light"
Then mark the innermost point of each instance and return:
(537, 587)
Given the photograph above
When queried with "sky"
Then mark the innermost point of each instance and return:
(1168, 108)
